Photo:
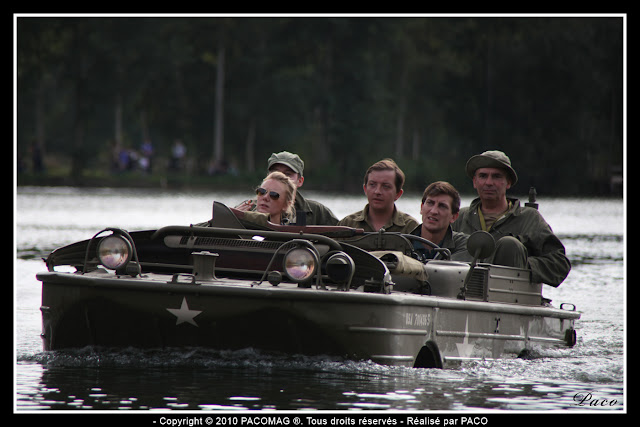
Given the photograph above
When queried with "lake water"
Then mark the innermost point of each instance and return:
(562, 380)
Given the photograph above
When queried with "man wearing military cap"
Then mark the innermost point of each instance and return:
(314, 212)
(523, 237)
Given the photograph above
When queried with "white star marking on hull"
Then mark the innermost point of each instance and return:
(183, 313)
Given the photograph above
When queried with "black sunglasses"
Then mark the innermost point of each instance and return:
(262, 191)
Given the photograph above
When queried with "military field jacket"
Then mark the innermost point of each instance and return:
(547, 258)
(316, 212)
(400, 222)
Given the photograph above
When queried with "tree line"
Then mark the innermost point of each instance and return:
(343, 92)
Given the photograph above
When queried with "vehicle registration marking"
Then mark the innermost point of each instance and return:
(417, 319)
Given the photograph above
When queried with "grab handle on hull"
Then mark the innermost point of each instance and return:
(176, 276)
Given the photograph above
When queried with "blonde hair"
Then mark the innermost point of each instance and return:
(290, 196)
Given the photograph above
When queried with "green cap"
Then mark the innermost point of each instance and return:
(288, 159)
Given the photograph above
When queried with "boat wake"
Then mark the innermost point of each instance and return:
(97, 357)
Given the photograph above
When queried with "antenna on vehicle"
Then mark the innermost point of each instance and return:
(532, 198)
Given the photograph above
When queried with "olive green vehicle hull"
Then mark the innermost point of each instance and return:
(205, 287)
(395, 329)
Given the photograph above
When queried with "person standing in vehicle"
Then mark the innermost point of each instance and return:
(383, 183)
(314, 212)
(439, 209)
(523, 237)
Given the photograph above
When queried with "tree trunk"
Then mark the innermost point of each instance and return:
(250, 163)
(218, 143)
(118, 132)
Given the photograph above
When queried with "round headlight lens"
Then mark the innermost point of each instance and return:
(114, 252)
(300, 264)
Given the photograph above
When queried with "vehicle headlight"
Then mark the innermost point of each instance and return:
(340, 268)
(300, 264)
(114, 252)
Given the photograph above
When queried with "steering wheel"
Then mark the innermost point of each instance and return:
(444, 252)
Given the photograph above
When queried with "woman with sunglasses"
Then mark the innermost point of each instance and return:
(276, 196)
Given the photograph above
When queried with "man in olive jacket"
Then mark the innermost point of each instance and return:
(290, 164)
(383, 183)
(523, 237)
(440, 208)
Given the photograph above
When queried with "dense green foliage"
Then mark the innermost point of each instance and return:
(343, 92)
